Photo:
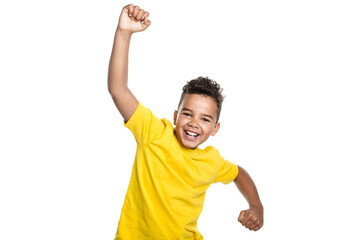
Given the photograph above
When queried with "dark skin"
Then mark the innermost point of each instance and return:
(134, 19)
(251, 218)
(193, 110)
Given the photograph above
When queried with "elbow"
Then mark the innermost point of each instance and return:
(116, 91)
(115, 94)
(111, 91)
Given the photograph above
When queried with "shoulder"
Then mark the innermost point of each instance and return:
(212, 151)
(146, 126)
(168, 127)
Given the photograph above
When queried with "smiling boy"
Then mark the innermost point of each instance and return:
(197, 106)
(171, 174)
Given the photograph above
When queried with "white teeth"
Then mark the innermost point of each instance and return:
(191, 134)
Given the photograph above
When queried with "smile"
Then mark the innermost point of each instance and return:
(191, 135)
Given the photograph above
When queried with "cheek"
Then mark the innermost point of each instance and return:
(180, 123)
(207, 128)
(182, 120)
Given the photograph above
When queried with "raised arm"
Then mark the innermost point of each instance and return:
(253, 217)
(132, 19)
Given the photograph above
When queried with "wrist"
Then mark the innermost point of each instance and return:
(257, 206)
(124, 33)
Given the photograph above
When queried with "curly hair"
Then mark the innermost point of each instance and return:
(207, 87)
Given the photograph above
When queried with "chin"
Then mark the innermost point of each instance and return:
(190, 146)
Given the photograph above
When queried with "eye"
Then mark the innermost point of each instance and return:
(206, 120)
(187, 114)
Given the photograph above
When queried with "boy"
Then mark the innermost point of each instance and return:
(170, 173)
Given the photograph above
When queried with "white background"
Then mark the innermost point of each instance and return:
(290, 73)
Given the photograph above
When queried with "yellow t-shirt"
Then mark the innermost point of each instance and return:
(168, 182)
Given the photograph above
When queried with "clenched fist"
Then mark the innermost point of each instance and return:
(251, 218)
(133, 19)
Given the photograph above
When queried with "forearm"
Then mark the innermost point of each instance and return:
(118, 66)
(248, 189)
(123, 98)
(132, 19)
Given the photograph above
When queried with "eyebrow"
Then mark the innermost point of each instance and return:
(206, 115)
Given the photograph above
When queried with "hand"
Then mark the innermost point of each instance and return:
(251, 218)
(133, 19)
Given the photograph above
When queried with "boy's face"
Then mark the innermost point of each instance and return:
(195, 120)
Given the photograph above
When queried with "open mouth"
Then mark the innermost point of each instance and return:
(191, 135)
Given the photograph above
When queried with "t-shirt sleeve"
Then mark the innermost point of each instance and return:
(227, 173)
(144, 125)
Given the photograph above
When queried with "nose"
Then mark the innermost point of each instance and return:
(193, 124)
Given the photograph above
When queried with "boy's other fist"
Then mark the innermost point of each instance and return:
(251, 218)
(133, 19)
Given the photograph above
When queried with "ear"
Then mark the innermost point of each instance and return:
(175, 116)
(216, 129)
